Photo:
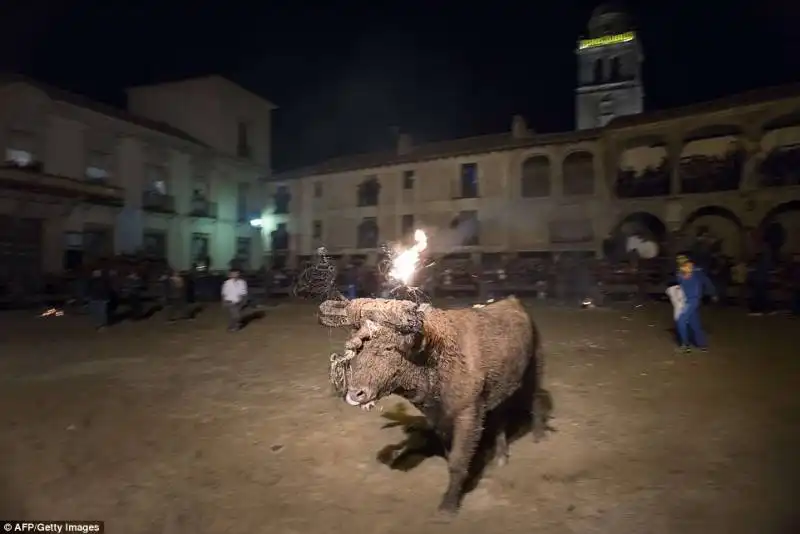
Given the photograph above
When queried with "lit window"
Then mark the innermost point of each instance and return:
(96, 173)
(23, 158)
(160, 187)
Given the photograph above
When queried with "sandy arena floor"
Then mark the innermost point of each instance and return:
(185, 428)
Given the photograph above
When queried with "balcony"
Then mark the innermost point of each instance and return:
(34, 181)
(156, 202)
(203, 208)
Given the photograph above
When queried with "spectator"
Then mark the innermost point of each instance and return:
(234, 298)
(99, 292)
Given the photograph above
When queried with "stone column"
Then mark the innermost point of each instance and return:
(674, 148)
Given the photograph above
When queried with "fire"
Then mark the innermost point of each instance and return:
(52, 312)
(405, 264)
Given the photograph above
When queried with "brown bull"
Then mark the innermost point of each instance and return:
(456, 366)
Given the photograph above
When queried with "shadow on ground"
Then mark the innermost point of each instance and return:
(421, 441)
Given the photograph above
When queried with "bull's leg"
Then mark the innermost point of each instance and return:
(501, 440)
(467, 428)
(540, 411)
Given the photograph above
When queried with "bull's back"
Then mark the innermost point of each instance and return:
(499, 343)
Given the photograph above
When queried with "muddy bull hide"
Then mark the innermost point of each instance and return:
(457, 367)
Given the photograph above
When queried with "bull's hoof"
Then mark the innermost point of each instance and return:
(539, 434)
(501, 460)
(448, 508)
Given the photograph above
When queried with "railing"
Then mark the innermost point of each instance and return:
(203, 208)
(157, 202)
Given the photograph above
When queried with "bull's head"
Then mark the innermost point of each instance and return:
(381, 354)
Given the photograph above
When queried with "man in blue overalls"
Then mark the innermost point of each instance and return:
(694, 284)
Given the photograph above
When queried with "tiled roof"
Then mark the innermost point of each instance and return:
(431, 151)
(505, 141)
(81, 101)
(747, 98)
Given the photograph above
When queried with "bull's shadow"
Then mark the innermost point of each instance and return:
(421, 442)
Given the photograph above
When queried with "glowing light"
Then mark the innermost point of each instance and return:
(52, 312)
(606, 40)
(257, 223)
(405, 264)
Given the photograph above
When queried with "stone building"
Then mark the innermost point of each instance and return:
(179, 175)
(729, 169)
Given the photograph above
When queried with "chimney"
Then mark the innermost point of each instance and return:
(519, 128)
(404, 144)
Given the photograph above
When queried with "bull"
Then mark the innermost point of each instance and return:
(457, 367)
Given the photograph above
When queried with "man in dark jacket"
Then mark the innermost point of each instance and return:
(99, 292)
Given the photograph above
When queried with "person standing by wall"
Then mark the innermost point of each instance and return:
(99, 292)
(177, 305)
(234, 297)
(694, 283)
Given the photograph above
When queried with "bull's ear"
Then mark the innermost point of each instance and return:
(334, 313)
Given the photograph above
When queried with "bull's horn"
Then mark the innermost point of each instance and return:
(334, 313)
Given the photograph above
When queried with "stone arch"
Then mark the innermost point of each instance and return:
(713, 229)
(712, 159)
(578, 173)
(781, 222)
(779, 151)
(535, 179)
(642, 224)
(643, 168)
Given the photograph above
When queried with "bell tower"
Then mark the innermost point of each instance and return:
(609, 70)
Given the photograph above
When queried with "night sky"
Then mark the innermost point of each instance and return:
(345, 73)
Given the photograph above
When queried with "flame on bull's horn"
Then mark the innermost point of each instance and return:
(405, 264)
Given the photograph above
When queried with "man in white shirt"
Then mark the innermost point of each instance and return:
(234, 297)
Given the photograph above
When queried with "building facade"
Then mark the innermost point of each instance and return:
(730, 168)
(179, 175)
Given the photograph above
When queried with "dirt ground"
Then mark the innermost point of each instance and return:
(185, 428)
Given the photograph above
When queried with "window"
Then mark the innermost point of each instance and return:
(154, 244)
(616, 70)
(19, 158)
(280, 237)
(408, 180)
(466, 228)
(21, 149)
(156, 177)
(536, 177)
(317, 189)
(98, 166)
(200, 247)
(368, 192)
(578, 174)
(407, 225)
(598, 71)
(243, 249)
(282, 199)
(241, 201)
(368, 233)
(469, 180)
(243, 141)
(316, 230)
